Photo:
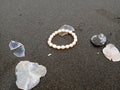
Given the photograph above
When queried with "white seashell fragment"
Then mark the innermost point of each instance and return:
(111, 52)
(28, 74)
(66, 27)
(18, 47)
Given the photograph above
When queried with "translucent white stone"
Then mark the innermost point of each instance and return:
(18, 47)
(66, 27)
(102, 38)
(20, 52)
(111, 52)
(14, 45)
(28, 74)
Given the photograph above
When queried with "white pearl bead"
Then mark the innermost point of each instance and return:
(54, 46)
(71, 45)
(51, 36)
(59, 31)
(62, 30)
(67, 46)
(74, 43)
(74, 36)
(49, 41)
(75, 40)
(70, 32)
(58, 47)
(50, 44)
(62, 47)
(56, 32)
(65, 31)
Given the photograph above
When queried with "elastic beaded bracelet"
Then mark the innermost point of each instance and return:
(62, 46)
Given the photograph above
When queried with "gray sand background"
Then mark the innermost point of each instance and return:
(80, 68)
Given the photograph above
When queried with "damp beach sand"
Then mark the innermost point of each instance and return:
(79, 68)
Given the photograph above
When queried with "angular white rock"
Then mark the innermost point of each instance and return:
(103, 38)
(28, 74)
(18, 47)
(66, 27)
(111, 52)
(14, 45)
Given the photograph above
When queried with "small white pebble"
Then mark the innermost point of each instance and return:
(111, 52)
(49, 54)
(98, 52)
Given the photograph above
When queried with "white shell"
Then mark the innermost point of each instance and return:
(14, 45)
(28, 74)
(111, 52)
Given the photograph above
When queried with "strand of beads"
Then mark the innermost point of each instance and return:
(62, 46)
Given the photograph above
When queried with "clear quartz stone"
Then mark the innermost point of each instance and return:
(14, 45)
(18, 47)
(102, 38)
(66, 27)
(28, 74)
(20, 52)
(111, 52)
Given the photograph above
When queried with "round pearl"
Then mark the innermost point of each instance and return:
(75, 40)
(59, 31)
(50, 44)
(73, 34)
(58, 47)
(62, 30)
(67, 46)
(49, 41)
(54, 46)
(62, 47)
(74, 37)
(70, 32)
(53, 34)
(71, 45)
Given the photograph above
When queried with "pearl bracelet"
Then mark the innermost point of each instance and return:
(62, 46)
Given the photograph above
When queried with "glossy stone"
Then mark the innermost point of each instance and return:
(28, 74)
(99, 40)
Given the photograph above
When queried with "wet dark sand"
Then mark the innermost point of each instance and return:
(80, 68)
